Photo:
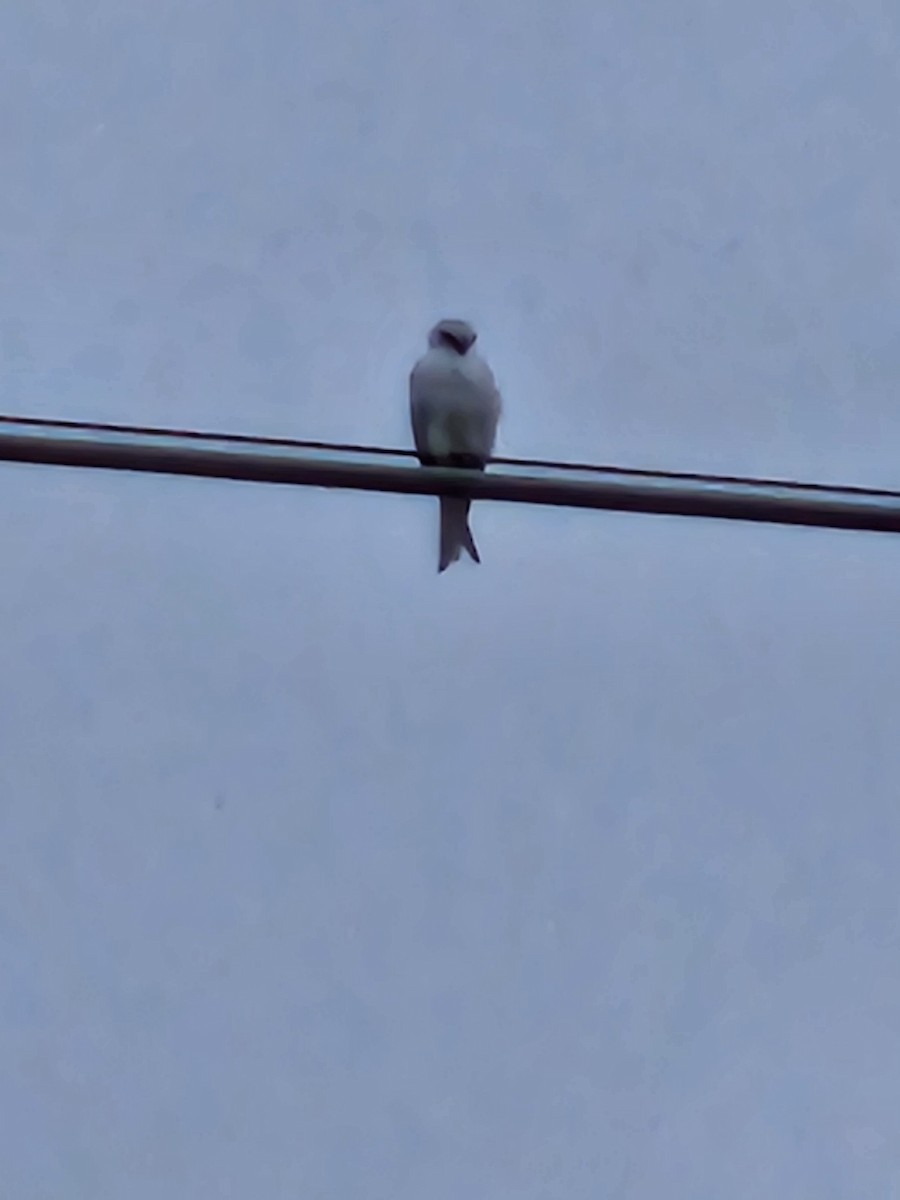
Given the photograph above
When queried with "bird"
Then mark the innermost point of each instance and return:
(454, 406)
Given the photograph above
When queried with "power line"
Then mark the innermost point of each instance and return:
(263, 459)
(52, 424)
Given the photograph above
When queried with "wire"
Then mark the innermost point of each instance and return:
(253, 458)
(159, 431)
(252, 439)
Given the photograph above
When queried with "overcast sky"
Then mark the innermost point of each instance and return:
(572, 875)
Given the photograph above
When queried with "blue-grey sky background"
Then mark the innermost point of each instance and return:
(569, 876)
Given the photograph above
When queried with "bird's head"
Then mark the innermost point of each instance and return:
(458, 336)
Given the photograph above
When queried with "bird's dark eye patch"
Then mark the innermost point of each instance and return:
(453, 341)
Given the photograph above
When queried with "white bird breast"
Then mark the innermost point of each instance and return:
(457, 401)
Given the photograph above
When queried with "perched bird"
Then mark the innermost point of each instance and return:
(455, 406)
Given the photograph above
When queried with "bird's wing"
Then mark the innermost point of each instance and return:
(422, 411)
(486, 415)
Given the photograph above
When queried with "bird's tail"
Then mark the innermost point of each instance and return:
(456, 535)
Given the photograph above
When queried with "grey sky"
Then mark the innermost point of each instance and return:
(573, 875)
